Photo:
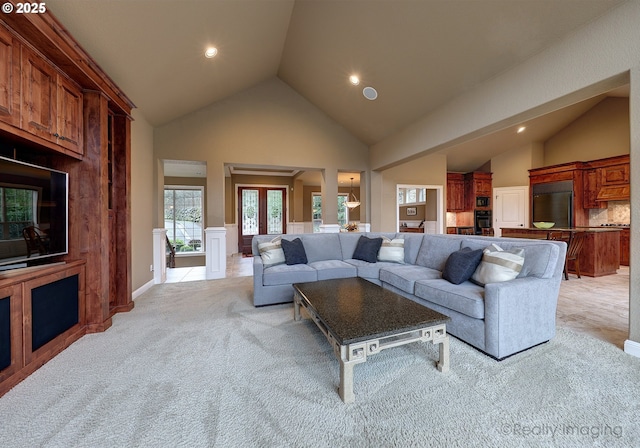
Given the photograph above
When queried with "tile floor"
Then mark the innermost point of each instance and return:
(595, 306)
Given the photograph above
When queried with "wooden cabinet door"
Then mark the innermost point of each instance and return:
(615, 174)
(38, 96)
(455, 194)
(483, 187)
(591, 180)
(9, 78)
(69, 115)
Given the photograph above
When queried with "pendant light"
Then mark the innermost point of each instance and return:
(352, 200)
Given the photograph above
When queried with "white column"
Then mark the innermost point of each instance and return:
(364, 227)
(216, 252)
(159, 256)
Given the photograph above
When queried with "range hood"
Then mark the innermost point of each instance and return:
(614, 193)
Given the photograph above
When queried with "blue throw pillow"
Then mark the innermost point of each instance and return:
(367, 249)
(461, 265)
(294, 252)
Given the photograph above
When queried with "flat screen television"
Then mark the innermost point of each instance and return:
(34, 205)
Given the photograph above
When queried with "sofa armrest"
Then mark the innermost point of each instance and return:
(258, 269)
(520, 313)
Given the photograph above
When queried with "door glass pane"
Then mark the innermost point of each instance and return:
(250, 212)
(274, 212)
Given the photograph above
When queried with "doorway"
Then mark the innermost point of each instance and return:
(420, 206)
(261, 211)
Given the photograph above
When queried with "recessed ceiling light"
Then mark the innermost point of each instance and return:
(370, 93)
(521, 129)
(211, 52)
(353, 79)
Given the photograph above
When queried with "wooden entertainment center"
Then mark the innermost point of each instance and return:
(58, 109)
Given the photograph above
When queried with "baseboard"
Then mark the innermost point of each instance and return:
(141, 290)
(632, 347)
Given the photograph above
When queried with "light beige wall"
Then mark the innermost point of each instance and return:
(511, 168)
(603, 131)
(269, 125)
(634, 277)
(142, 208)
(428, 170)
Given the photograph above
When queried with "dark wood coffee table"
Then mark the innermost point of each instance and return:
(360, 319)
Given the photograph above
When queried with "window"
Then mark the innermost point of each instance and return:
(17, 211)
(316, 210)
(183, 217)
(412, 195)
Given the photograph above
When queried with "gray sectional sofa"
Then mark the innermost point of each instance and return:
(499, 319)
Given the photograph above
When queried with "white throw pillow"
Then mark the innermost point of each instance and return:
(271, 252)
(498, 265)
(391, 250)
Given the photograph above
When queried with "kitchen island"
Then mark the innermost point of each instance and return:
(600, 254)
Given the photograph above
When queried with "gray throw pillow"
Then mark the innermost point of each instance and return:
(367, 249)
(294, 252)
(461, 265)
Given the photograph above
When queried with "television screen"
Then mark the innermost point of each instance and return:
(33, 212)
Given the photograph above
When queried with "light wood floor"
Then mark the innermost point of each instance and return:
(595, 306)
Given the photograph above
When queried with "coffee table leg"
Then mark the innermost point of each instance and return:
(296, 307)
(346, 382)
(443, 362)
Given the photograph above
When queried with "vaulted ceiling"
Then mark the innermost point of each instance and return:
(417, 54)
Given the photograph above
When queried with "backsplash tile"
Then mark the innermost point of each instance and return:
(617, 212)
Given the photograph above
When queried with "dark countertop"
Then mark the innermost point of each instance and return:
(569, 229)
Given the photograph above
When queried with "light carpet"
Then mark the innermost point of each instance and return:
(196, 365)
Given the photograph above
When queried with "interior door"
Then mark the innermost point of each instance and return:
(261, 211)
(511, 208)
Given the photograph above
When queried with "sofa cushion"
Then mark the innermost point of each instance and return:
(404, 276)
(271, 252)
(412, 244)
(540, 259)
(391, 250)
(349, 241)
(328, 269)
(294, 252)
(498, 265)
(369, 270)
(367, 249)
(283, 274)
(466, 298)
(321, 246)
(435, 250)
(461, 265)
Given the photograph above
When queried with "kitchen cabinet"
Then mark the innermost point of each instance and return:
(455, 192)
(615, 174)
(9, 78)
(51, 103)
(625, 235)
(600, 253)
(478, 184)
(592, 184)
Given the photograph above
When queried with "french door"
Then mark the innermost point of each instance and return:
(261, 211)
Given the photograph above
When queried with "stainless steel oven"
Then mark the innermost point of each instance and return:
(482, 219)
